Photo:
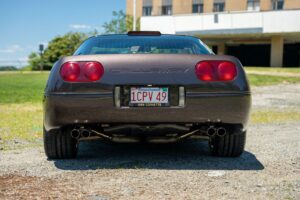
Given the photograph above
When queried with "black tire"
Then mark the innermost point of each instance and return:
(59, 144)
(230, 145)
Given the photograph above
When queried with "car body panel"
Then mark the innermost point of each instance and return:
(68, 103)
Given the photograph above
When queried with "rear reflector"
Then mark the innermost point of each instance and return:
(216, 71)
(81, 71)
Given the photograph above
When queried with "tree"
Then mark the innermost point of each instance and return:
(34, 61)
(58, 47)
(121, 23)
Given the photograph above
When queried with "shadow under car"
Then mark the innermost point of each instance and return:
(184, 155)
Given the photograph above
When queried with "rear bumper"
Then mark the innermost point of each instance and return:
(62, 109)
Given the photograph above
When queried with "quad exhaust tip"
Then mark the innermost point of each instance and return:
(221, 132)
(212, 131)
(75, 133)
(82, 132)
(85, 133)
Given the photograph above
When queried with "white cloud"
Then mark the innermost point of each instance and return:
(23, 59)
(12, 49)
(79, 26)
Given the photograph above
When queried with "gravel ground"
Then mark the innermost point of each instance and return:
(268, 169)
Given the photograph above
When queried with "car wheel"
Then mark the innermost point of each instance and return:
(230, 145)
(59, 144)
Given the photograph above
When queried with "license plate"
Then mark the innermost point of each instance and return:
(149, 96)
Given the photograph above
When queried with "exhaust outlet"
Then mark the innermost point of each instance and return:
(85, 133)
(211, 131)
(75, 133)
(221, 132)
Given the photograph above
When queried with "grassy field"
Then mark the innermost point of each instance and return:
(269, 69)
(21, 114)
(22, 87)
(263, 80)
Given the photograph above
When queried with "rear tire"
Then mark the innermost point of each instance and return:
(59, 144)
(230, 145)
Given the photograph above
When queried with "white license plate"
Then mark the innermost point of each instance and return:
(149, 96)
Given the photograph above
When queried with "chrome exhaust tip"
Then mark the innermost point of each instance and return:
(211, 131)
(221, 132)
(85, 133)
(75, 133)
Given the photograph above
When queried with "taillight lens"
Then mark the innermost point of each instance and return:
(70, 71)
(205, 71)
(93, 71)
(226, 71)
(81, 71)
(216, 71)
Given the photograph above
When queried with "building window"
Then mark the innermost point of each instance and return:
(147, 10)
(277, 4)
(197, 8)
(253, 5)
(147, 7)
(166, 10)
(219, 7)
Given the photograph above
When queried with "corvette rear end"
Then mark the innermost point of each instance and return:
(145, 86)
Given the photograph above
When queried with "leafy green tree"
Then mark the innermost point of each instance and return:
(34, 61)
(58, 47)
(121, 23)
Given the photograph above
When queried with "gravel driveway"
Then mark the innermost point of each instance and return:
(268, 169)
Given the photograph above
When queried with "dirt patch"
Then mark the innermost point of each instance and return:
(29, 187)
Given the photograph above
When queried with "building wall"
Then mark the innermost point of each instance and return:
(265, 5)
(156, 7)
(185, 6)
(292, 4)
(234, 5)
(182, 7)
(139, 7)
(208, 6)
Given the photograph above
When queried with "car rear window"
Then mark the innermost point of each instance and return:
(142, 45)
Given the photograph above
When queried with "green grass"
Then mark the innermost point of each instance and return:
(22, 87)
(262, 80)
(20, 125)
(272, 69)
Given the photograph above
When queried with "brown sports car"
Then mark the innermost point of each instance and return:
(145, 86)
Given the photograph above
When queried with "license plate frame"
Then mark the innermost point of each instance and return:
(165, 103)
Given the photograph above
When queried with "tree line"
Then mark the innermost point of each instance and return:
(65, 45)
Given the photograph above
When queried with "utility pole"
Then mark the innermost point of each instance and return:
(134, 15)
(41, 50)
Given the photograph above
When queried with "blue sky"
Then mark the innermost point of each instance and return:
(24, 24)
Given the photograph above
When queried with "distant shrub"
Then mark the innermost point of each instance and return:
(8, 68)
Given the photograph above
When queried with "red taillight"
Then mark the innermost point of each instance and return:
(216, 71)
(226, 71)
(93, 71)
(81, 71)
(205, 71)
(70, 71)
